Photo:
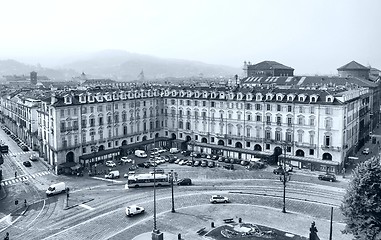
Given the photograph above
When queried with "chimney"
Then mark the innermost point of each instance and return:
(53, 99)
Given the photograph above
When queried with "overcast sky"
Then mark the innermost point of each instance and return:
(314, 37)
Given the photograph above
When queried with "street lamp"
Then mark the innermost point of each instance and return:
(285, 177)
(173, 199)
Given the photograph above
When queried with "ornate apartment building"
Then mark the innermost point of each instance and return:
(316, 129)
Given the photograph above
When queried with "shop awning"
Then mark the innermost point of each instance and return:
(233, 149)
(98, 154)
(142, 143)
(310, 160)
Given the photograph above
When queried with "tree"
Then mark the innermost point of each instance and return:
(362, 202)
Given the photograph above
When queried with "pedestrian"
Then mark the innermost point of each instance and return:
(15, 174)
(6, 236)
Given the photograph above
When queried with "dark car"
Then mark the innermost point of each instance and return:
(221, 159)
(141, 165)
(27, 164)
(327, 177)
(34, 158)
(190, 163)
(214, 157)
(184, 181)
(278, 170)
(186, 153)
(24, 148)
(204, 155)
(229, 167)
(227, 160)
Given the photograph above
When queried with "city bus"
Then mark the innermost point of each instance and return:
(147, 180)
(3, 148)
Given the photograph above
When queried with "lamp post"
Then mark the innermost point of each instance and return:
(173, 199)
(285, 177)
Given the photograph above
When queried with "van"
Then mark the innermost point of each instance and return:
(113, 174)
(140, 153)
(56, 189)
(174, 150)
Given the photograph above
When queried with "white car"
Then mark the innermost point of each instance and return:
(134, 210)
(366, 151)
(126, 159)
(219, 199)
(110, 164)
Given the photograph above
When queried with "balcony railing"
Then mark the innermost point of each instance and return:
(332, 148)
(306, 145)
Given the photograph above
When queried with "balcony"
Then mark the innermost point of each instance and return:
(305, 145)
(331, 148)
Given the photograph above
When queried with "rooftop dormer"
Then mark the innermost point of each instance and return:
(82, 98)
(258, 97)
(99, 97)
(314, 98)
(222, 95)
(189, 93)
(279, 96)
(204, 94)
(269, 96)
(197, 94)
(329, 98)
(68, 99)
(290, 97)
(302, 97)
(90, 98)
(107, 96)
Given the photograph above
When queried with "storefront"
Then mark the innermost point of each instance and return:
(145, 145)
(97, 157)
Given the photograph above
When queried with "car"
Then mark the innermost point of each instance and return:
(203, 155)
(162, 150)
(208, 156)
(141, 165)
(25, 148)
(110, 164)
(126, 159)
(214, 157)
(278, 170)
(219, 199)
(183, 162)
(134, 210)
(157, 171)
(211, 164)
(366, 151)
(166, 158)
(184, 181)
(190, 163)
(197, 163)
(186, 153)
(204, 163)
(327, 177)
(147, 164)
(227, 160)
(229, 167)
(27, 164)
(221, 159)
(178, 160)
(244, 163)
(34, 158)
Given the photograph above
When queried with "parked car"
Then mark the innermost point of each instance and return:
(24, 148)
(219, 199)
(214, 157)
(197, 163)
(27, 164)
(221, 159)
(110, 164)
(134, 210)
(204, 155)
(327, 177)
(126, 160)
(227, 160)
(186, 153)
(184, 181)
(244, 163)
(204, 163)
(190, 163)
(366, 151)
(177, 160)
(208, 156)
(183, 162)
(229, 166)
(211, 164)
(33, 158)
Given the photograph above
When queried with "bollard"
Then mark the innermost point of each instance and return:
(212, 224)
(179, 236)
(239, 220)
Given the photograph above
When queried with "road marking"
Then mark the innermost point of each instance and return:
(108, 180)
(86, 206)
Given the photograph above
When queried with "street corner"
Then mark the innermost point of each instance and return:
(3, 193)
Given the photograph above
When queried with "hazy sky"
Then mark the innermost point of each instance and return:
(312, 36)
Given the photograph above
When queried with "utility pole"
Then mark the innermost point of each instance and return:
(173, 199)
(285, 177)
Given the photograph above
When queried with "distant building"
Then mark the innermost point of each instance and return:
(266, 69)
(33, 78)
(354, 69)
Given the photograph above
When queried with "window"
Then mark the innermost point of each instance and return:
(91, 109)
(312, 151)
(328, 110)
(92, 122)
(62, 113)
(229, 141)
(83, 150)
(268, 120)
(213, 104)
(212, 139)
(327, 140)
(196, 103)
(312, 137)
(279, 121)
(277, 136)
(99, 109)
(248, 117)
(289, 108)
(188, 126)
(257, 106)
(312, 121)
(312, 110)
(268, 106)
(288, 137)
(62, 126)
(124, 130)
(301, 109)
(267, 146)
(100, 121)
(248, 106)
(204, 103)
(278, 108)
(83, 123)
(108, 119)
(247, 144)
(289, 121)
(259, 118)
(268, 134)
(248, 132)
(300, 137)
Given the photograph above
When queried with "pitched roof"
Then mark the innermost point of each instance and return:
(353, 66)
(269, 65)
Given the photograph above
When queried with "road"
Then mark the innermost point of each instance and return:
(103, 211)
